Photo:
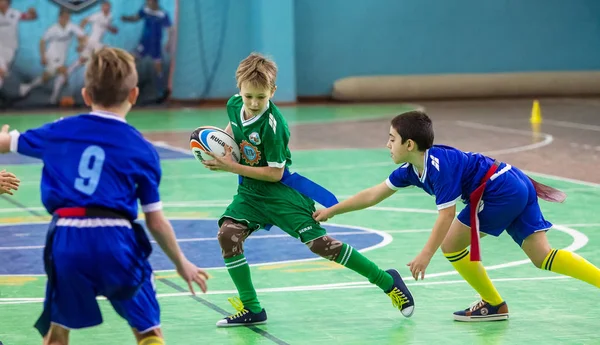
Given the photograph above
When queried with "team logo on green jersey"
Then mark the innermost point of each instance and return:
(250, 153)
(254, 138)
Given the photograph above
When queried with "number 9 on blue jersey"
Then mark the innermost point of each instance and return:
(90, 168)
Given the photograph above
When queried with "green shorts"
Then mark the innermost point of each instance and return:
(260, 203)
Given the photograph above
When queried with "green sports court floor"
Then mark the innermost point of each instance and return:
(310, 300)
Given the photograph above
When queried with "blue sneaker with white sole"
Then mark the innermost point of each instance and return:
(483, 311)
(400, 295)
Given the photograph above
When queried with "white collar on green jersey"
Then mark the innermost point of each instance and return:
(255, 118)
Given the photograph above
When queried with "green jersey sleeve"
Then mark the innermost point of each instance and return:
(276, 137)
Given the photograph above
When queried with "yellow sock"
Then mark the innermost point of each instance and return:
(572, 265)
(152, 341)
(474, 273)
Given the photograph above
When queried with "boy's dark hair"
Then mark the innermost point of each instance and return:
(415, 125)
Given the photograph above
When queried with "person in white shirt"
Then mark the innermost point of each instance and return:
(54, 47)
(9, 35)
(100, 22)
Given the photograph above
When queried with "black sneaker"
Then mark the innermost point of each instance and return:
(243, 317)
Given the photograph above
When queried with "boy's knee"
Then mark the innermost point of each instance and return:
(538, 259)
(450, 247)
(231, 238)
(326, 247)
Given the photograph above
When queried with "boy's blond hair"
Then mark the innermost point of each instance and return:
(110, 76)
(257, 70)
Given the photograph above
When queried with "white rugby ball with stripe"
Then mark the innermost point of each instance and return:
(212, 139)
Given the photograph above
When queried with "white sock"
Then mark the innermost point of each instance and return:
(36, 82)
(58, 83)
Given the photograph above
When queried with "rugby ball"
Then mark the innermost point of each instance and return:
(212, 139)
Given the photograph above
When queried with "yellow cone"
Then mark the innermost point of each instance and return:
(536, 113)
(536, 120)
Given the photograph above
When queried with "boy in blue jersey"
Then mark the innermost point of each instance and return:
(503, 196)
(155, 20)
(96, 167)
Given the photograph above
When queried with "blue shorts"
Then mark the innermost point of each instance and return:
(509, 203)
(150, 49)
(101, 261)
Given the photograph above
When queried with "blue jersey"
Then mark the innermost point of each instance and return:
(449, 174)
(94, 159)
(154, 22)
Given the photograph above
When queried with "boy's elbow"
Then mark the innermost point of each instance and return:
(277, 174)
(155, 221)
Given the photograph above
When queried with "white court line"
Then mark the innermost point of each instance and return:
(305, 288)
(575, 125)
(218, 175)
(164, 145)
(564, 179)
(586, 225)
(589, 190)
(548, 139)
(406, 231)
(18, 209)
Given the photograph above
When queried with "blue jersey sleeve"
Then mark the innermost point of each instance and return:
(31, 142)
(167, 20)
(141, 13)
(399, 178)
(446, 184)
(148, 181)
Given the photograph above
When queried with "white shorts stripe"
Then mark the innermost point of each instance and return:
(93, 222)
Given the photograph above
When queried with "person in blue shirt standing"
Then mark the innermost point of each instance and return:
(96, 168)
(155, 20)
(498, 197)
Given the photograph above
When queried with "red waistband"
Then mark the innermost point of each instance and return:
(94, 212)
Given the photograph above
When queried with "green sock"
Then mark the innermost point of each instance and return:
(239, 271)
(355, 261)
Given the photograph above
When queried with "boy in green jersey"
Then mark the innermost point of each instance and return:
(269, 195)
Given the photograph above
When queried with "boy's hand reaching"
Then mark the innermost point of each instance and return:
(8, 182)
(323, 215)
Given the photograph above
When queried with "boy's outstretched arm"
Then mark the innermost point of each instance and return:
(366, 198)
(438, 233)
(5, 139)
(162, 231)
